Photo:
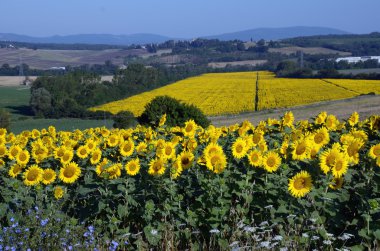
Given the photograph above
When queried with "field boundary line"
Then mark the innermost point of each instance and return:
(337, 85)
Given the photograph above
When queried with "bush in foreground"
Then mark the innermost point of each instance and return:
(177, 113)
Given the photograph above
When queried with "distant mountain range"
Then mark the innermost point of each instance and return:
(144, 38)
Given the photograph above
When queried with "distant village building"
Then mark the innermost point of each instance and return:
(62, 68)
(358, 59)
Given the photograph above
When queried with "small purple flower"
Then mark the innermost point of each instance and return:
(114, 245)
(44, 222)
(91, 229)
(12, 219)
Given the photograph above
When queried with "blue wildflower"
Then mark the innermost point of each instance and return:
(44, 222)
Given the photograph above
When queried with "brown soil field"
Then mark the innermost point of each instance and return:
(17, 80)
(45, 59)
(244, 62)
(365, 105)
(309, 50)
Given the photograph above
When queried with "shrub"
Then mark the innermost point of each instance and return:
(5, 119)
(177, 113)
(124, 119)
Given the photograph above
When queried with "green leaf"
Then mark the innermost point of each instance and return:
(122, 211)
(377, 234)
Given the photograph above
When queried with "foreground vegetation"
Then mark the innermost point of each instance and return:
(280, 184)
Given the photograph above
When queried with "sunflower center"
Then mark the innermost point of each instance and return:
(254, 158)
(338, 165)
(127, 147)
(69, 172)
(168, 150)
(32, 175)
(299, 184)
(22, 157)
(189, 128)
(48, 176)
(271, 161)
(300, 149)
(185, 161)
(239, 148)
(318, 138)
(376, 151)
(132, 167)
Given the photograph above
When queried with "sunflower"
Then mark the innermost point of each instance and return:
(3, 150)
(157, 167)
(186, 159)
(35, 134)
(22, 157)
(190, 128)
(141, 148)
(113, 140)
(353, 119)
(321, 136)
(48, 176)
(3, 132)
(359, 134)
(33, 175)
(126, 148)
(70, 173)
(216, 162)
(162, 120)
(340, 167)
(212, 148)
(257, 137)
(288, 119)
(114, 171)
(300, 184)
(67, 156)
(13, 151)
(374, 151)
(271, 161)
(133, 167)
(58, 192)
(255, 158)
(352, 149)
(378, 161)
(176, 169)
(59, 152)
(327, 159)
(336, 183)
(96, 156)
(239, 148)
(168, 152)
(15, 170)
(331, 122)
(190, 144)
(301, 149)
(82, 152)
(321, 118)
(102, 166)
(91, 145)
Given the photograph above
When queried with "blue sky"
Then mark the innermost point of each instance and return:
(180, 18)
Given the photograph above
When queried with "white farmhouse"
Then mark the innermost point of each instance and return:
(358, 59)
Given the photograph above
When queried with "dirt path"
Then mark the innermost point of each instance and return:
(365, 105)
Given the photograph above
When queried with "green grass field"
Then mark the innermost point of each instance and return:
(16, 101)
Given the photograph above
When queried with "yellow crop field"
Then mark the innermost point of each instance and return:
(213, 93)
(359, 86)
(283, 92)
(232, 93)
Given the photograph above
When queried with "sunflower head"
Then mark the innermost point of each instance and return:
(58, 192)
(189, 128)
(336, 183)
(239, 148)
(96, 156)
(271, 161)
(33, 176)
(157, 167)
(127, 148)
(300, 184)
(133, 167)
(70, 173)
(255, 158)
(186, 160)
(374, 151)
(288, 119)
(48, 176)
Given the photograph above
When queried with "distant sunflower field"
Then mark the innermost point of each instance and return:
(233, 93)
(281, 184)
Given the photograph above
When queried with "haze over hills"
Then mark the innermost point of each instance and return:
(278, 33)
(145, 38)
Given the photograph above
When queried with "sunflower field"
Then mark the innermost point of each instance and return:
(281, 184)
(236, 92)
